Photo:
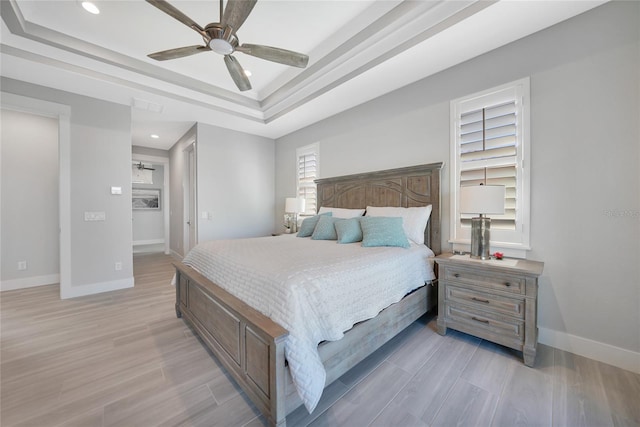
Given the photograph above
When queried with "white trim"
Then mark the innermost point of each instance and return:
(166, 198)
(513, 242)
(148, 242)
(63, 114)
(95, 288)
(29, 282)
(510, 252)
(606, 353)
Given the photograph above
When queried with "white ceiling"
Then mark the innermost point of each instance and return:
(358, 50)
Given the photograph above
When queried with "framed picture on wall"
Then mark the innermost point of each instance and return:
(146, 198)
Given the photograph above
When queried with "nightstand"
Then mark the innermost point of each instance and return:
(492, 299)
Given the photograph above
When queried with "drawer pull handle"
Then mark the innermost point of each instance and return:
(507, 284)
(480, 320)
(456, 275)
(486, 301)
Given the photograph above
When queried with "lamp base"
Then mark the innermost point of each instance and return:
(480, 236)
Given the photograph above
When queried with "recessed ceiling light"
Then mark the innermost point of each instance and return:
(154, 136)
(247, 73)
(90, 7)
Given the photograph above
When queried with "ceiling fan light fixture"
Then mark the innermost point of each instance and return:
(90, 7)
(221, 46)
(221, 38)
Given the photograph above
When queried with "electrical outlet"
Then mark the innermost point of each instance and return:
(118, 266)
(22, 265)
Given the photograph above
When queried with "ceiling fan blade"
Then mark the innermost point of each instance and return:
(179, 52)
(237, 73)
(275, 54)
(236, 12)
(176, 14)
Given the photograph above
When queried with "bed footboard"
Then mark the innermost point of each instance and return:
(247, 343)
(251, 346)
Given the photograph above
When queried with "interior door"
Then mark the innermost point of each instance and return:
(190, 226)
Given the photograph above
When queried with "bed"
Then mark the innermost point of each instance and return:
(251, 345)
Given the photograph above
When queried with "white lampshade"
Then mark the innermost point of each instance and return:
(482, 199)
(294, 205)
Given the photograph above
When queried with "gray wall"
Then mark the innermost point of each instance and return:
(100, 157)
(147, 151)
(585, 217)
(235, 184)
(29, 229)
(235, 173)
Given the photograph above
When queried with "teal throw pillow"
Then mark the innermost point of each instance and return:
(309, 224)
(325, 229)
(349, 230)
(383, 231)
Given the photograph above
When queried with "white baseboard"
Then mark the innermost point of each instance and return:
(606, 353)
(96, 288)
(29, 282)
(148, 242)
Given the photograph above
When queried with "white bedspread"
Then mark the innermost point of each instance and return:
(315, 289)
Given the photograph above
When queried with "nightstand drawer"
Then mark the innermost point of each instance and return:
(481, 321)
(502, 282)
(488, 302)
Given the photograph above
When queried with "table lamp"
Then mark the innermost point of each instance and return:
(481, 200)
(293, 206)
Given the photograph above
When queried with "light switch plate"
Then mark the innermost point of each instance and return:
(116, 190)
(95, 216)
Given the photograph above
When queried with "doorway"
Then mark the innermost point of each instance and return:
(151, 228)
(50, 202)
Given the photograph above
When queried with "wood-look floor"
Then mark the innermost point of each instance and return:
(124, 359)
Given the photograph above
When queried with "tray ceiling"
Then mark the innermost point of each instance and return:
(358, 50)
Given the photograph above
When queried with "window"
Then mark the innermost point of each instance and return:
(307, 171)
(490, 145)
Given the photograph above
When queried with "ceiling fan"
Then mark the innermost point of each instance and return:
(221, 38)
(142, 166)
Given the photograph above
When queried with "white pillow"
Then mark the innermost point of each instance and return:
(414, 220)
(341, 212)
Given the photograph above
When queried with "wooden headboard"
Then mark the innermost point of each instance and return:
(403, 187)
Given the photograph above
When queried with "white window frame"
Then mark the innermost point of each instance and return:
(516, 242)
(303, 151)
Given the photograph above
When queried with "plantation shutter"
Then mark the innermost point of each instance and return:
(307, 173)
(488, 154)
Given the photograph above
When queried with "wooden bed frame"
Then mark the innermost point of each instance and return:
(251, 346)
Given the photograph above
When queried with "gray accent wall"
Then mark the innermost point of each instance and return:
(99, 158)
(585, 188)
